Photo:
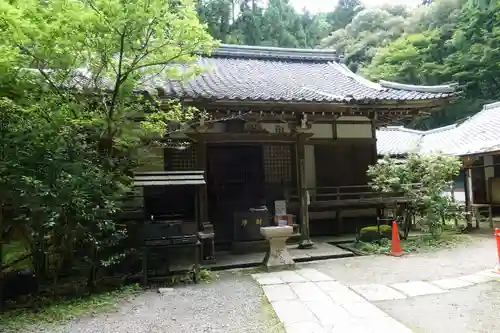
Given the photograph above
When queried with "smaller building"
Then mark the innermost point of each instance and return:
(476, 140)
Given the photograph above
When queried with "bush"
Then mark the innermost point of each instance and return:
(371, 233)
(422, 179)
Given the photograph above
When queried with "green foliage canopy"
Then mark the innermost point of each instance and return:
(434, 175)
(77, 109)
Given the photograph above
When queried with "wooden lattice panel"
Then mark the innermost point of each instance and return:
(278, 163)
(183, 159)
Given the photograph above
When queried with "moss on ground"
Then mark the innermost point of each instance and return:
(383, 228)
(424, 243)
(58, 311)
(272, 320)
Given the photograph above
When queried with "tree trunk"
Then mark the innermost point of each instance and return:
(92, 274)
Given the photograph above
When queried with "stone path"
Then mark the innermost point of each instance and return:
(309, 301)
(380, 292)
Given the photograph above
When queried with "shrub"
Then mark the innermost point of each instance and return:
(371, 233)
(434, 175)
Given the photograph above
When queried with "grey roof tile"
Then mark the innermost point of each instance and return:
(293, 75)
(397, 140)
(478, 134)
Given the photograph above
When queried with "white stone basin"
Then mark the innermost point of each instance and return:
(277, 256)
(277, 231)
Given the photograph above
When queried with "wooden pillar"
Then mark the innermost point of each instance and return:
(305, 241)
(469, 195)
(201, 164)
(374, 136)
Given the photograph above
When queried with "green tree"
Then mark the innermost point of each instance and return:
(446, 41)
(433, 174)
(247, 28)
(476, 52)
(343, 13)
(412, 58)
(281, 25)
(218, 15)
(249, 22)
(368, 30)
(93, 66)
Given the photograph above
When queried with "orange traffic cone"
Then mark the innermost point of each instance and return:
(497, 236)
(396, 249)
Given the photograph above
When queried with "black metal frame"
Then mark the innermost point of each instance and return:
(146, 250)
(168, 243)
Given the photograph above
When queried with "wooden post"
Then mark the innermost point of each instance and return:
(469, 197)
(374, 136)
(305, 241)
(201, 164)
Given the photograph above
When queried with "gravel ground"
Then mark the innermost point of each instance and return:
(234, 303)
(231, 304)
(469, 310)
(467, 258)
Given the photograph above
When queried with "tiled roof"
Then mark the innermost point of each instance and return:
(437, 139)
(291, 75)
(478, 134)
(397, 140)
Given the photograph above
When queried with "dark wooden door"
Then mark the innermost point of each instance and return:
(235, 183)
(327, 163)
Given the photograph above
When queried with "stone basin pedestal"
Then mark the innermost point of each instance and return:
(277, 256)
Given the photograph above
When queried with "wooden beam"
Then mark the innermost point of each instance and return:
(342, 141)
(469, 160)
(201, 164)
(243, 137)
(305, 241)
(469, 196)
(322, 105)
(374, 118)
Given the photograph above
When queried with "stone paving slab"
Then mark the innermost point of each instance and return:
(305, 327)
(314, 275)
(387, 325)
(266, 280)
(292, 312)
(278, 292)
(289, 276)
(328, 313)
(418, 288)
(452, 283)
(477, 278)
(352, 326)
(364, 310)
(377, 292)
(308, 291)
(322, 305)
(331, 285)
(372, 325)
(344, 296)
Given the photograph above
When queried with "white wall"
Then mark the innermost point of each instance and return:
(361, 130)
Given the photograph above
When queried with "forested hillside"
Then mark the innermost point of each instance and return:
(438, 42)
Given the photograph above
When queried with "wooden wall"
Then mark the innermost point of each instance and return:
(343, 164)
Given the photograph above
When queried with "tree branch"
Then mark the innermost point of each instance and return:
(119, 79)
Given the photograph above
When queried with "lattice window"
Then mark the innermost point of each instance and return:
(183, 159)
(278, 163)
